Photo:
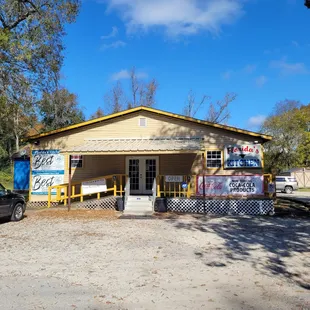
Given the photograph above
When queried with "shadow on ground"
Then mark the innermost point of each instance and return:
(283, 242)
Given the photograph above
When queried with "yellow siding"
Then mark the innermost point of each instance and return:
(157, 126)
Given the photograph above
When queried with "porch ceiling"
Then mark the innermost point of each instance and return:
(108, 146)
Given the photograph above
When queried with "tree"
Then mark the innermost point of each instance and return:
(99, 113)
(30, 40)
(115, 98)
(191, 106)
(59, 109)
(140, 94)
(15, 121)
(217, 112)
(289, 126)
(149, 99)
(31, 48)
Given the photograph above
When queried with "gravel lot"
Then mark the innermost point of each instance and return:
(93, 260)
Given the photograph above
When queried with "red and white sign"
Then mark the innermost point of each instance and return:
(236, 185)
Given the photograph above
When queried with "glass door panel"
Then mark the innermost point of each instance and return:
(134, 174)
(150, 173)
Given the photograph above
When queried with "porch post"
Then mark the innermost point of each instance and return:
(69, 185)
(203, 183)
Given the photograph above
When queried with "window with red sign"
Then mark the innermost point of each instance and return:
(76, 161)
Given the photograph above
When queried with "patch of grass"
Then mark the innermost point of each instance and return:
(304, 190)
(6, 178)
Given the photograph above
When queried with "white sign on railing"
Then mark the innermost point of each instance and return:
(94, 186)
(241, 185)
(174, 178)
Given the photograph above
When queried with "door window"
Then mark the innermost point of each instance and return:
(150, 173)
(134, 171)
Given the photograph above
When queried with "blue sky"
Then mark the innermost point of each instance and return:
(258, 49)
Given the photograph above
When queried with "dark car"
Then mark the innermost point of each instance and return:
(12, 205)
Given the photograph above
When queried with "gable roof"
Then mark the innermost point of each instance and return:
(155, 111)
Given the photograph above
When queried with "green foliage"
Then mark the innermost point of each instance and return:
(59, 109)
(6, 178)
(31, 56)
(289, 127)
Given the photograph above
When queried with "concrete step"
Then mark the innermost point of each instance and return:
(137, 214)
(139, 204)
(139, 208)
(139, 198)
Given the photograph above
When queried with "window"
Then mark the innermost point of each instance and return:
(278, 179)
(76, 161)
(214, 159)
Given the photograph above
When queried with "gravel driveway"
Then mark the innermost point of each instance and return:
(92, 260)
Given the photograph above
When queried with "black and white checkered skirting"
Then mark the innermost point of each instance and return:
(221, 206)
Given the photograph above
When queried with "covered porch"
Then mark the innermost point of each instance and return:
(139, 163)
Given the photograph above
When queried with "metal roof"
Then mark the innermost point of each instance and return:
(136, 145)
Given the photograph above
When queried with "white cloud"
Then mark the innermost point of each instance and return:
(261, 81)
(295, 43)
(272, 51)
(249, 69)
(287, 68)
(113, 34)
(177, 17)
(115, 44)
(125, 74)
(227, 75)
(256, 121)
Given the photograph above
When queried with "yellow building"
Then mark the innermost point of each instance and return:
(156, 153)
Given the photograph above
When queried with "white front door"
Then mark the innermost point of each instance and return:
(141, 170)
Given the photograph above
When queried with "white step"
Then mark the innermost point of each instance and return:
(138, 213)
(139, 205)
(139, 198)
(137, 208)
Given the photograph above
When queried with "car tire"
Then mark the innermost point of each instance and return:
(288, 189)
(18, 212)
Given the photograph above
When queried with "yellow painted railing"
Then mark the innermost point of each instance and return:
(115, 185)
(166, 188)
(184, 187)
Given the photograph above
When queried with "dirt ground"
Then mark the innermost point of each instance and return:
(95, 260)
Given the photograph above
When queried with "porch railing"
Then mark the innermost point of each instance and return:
(181, 188)
(59, 193)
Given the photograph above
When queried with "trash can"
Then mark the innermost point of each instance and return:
(120, 203)
(161, 205)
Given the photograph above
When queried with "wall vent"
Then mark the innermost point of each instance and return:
(142, 122)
